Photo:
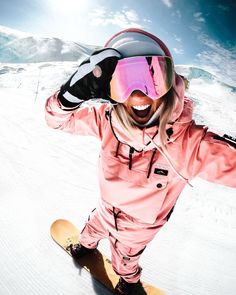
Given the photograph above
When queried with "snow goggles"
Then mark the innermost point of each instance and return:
(153, 75)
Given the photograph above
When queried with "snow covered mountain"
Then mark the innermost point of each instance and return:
(19, 47)
(192, 72)
(46, 174)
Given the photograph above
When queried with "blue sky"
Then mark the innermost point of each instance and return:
(196, 32)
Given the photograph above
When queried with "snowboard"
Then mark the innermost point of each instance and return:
(64, 233)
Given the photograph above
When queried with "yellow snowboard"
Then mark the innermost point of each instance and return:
(64, 233)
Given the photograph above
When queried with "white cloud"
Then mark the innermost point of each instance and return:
(131, 15)
(176, 14)
(99, 12)
(223, 7)
(168, 3)
(220, 60)
(178, 50)
(178, 39)
(124, 18)
(195, 28)
(146, 20)
(198, 17)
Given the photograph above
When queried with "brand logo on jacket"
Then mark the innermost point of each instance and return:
(161, 169)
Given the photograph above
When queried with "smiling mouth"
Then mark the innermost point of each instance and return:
(141, 111)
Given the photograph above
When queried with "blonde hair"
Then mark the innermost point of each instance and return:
(168, 104)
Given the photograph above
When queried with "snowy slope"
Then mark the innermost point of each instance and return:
(47, 174)
(214, 100)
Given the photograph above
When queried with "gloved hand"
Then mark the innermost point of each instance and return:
(91, 80)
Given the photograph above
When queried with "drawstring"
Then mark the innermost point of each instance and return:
(115, 216)
(168, 160)
(117, 149)
(143, 135)
(151, 163)
(131, 151)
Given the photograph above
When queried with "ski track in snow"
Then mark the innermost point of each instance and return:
(47, 174)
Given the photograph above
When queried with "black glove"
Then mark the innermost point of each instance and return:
(91, 80)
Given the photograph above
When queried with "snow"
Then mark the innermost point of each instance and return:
(47, 174)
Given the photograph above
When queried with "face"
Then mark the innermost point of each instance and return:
(141, 107)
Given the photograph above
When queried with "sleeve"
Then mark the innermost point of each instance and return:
(83, 120)
(215, 159)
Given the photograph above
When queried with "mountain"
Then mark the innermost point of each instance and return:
(192, 72)
(19, 47)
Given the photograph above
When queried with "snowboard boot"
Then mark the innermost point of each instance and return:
(125, 288)
(78, 250)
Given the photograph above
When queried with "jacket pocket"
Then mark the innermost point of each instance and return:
(114, 170)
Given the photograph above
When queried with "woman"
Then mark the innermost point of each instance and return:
(150, 146)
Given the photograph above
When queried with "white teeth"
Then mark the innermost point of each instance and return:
(141, 108)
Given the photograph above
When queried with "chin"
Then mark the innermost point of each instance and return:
(141, 120)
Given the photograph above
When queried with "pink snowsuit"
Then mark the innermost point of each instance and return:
(139, 182)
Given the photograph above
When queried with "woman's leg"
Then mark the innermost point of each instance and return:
(125, 260)
(128, 239)
(93, 231)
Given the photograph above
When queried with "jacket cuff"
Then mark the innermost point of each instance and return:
(66, 104)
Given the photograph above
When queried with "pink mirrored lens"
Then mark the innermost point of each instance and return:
(152, 75)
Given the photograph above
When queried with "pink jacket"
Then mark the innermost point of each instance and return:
(137, 176)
